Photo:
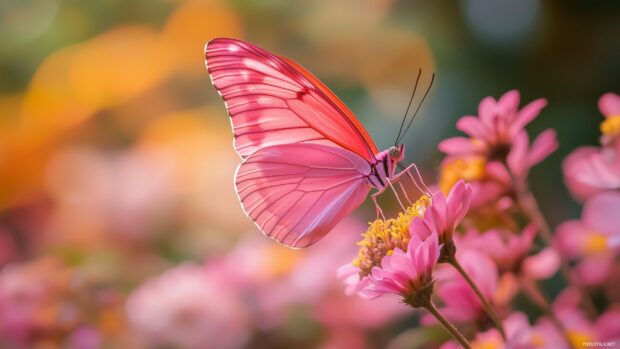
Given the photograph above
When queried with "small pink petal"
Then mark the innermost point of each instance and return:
(509, 102)
(594, 270)
(601, 169)
(570, 236)
(573, 166)
(608, 324)
(517, 158)
(458, 146)
(487, 110)
(542, 265)
(458, 202)
(527, 114)
(602, 212)
(609, 104)
(472, 126)
(497, 171)
(545, 144)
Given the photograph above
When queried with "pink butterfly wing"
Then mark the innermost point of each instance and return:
(296, 193)
(272, 100)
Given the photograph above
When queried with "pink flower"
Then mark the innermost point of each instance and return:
(187, 308)
(498, 134)
(443, 216)
(594, 240)
(511, 251)
(404, 273)
(460, 302)
(590, 170)
(609, 105)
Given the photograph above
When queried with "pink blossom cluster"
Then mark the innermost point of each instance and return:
(483, 247)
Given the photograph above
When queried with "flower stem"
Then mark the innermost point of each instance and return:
(446, 324)
(483, 300)
(530, 208)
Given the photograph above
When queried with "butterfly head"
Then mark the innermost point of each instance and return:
(397, 153)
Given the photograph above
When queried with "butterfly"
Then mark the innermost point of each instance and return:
(307, 161)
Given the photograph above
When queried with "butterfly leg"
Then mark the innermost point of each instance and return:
(420, 185)
(374, 199)
(402, 188)
(396, 193)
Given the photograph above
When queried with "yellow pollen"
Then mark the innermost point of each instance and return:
(383, 236)
(491, 343)
(537, 340)
(595, 243)
(470, 168)
(578, 338)
(611, 126)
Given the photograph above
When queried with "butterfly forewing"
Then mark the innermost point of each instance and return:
(272, 100)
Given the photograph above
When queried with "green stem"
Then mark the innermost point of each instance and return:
(483, 300)
(446, 324)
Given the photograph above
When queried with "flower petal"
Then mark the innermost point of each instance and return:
(527, 114)
(542, 265)
(602, 212)
(458, 202)
(545, 144)
(458, 146)
(472, 126)
(517, 158)
(509, 102)
(609, 104)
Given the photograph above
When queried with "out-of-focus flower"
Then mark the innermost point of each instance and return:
(443, 216)
(460, 301)
(593, 240)
(511, 251)
(36, 303)
(495, 129)
(609, 105)
(185, 31)
(589, 170)
(576, 324)
(186, 307)
(85, 337)
(472, 169)
(497, 138)
(74, 83)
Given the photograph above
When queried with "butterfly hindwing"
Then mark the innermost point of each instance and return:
(296, 193)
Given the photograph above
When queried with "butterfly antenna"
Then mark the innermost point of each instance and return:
(419, 105)
(402, 124)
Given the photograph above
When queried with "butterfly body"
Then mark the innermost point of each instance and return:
(307, 161)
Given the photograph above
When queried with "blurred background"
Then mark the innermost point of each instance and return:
(110, 129)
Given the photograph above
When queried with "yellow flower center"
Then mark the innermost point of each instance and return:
(578, 338)
(470, 168)
(595, 243)
(490, 343)
(383, 236)
(611, 126)
(537, 340)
